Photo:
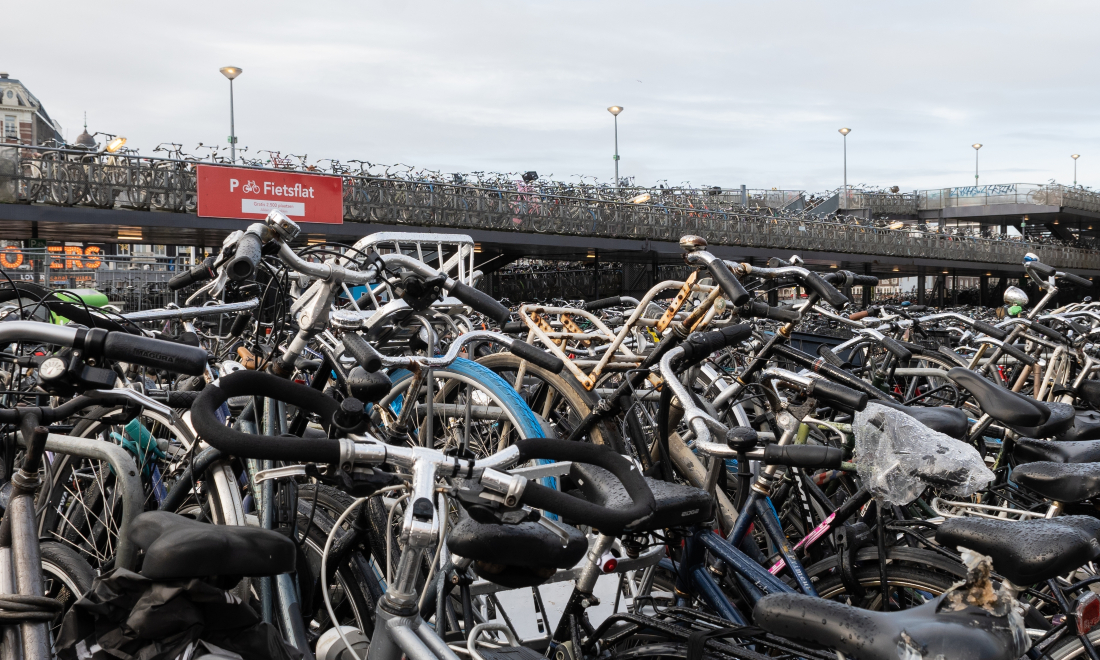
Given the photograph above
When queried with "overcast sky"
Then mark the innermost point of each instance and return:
(715, 93)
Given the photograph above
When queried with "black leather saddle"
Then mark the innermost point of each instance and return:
(1030, 450)
(949, 421)
(1027, 551)
(1014, 410)
(181, 548)
(1061, 482)
(1089, 391)
(1062, 419)
(677, 505)
(968, 634)
(521, 555)
(1086, 426)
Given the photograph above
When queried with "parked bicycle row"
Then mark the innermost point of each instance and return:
(349, 451)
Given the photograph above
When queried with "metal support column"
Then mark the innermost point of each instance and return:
(921, 286)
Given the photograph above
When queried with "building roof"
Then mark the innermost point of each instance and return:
(37, 106)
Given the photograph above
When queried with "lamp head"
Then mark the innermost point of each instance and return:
(231, 72)
(845, 131)
(615, 110)
(1015, 296)
(1075, 156)
(115, 144)
(977, 145)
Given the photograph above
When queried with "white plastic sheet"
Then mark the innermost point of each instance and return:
(898, 457)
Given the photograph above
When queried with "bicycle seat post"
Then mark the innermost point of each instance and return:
(26, 560)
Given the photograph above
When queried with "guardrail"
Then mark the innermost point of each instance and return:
(113, 181)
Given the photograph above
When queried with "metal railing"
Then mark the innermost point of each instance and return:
(112, 181)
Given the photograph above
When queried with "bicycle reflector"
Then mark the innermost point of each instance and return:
(1087, 612)
(609, 561)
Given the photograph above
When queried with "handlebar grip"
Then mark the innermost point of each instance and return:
(537, 356)
(1076, 279)
(243, 264)
(239, 324)
(827, 291)
(866, 280)
(836, 394)
(608, 521)
(603, 303)
(267, 447)
(804, 456)
(776, 262)
(200, 273)
(699, 345)
(513, 327)
(826, 353)
(917, 308)
(1042, 269)
(363, 352)
(154, 353)
(915, 349)
(859, 315)
(178, 399)
(1018, 354)
(1050, 333)
(762, 310)
(729, 283)
(902, 353)
(482, 302)
(990, 330)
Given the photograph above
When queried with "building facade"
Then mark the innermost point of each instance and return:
(24, 119)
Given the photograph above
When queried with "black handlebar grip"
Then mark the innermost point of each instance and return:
(482, 302)
(804, 456)
(729, 283)
(239, 324)
(154, 353)
(363, 352)
(902, 353)
(178, 399)
(1076, 279)
(827, 291)
(267, 447)
(836, 394)
(1041, 268)
(1018, 354)
(202, 272)
(243, 264)
(1050, 333)
(607, 520)
(990, 330)
(603, 303)
(916, 308)
(699, 345)
(915, 349)
(762, 310)
(514, 327)
(536, 355)
(1081, 330)
(826, 353)
(866, 280)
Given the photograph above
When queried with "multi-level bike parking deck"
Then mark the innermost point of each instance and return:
(80, 195)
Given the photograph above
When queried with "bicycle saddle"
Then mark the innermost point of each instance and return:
(1030, 450)
(180, 548)
(1062, 418)
(968, 634)
(1027, 551)
(1061, 482)
(951, 422)
(1089, 391)
(520, 555)
(1086, 426)
(1005, 406)
(677, 505)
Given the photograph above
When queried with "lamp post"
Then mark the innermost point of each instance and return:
(845, 132)
(976, 145)
(615, 110)
(1075, 157)
(231, 72)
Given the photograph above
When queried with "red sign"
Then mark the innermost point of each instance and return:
(230, 192)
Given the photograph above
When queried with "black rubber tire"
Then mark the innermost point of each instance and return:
(66, 577)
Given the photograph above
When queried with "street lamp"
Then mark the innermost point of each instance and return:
(615, 110)
(1075, 157)
(976, 145)
(845, 132)
(231, 72)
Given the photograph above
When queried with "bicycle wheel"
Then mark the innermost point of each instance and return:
(558, 399)
(353, 585)
(65, 578)
(914, 576)
(499, 416)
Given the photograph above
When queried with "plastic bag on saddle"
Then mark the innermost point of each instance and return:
(898, 457)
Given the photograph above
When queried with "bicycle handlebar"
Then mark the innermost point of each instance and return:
(200, 273)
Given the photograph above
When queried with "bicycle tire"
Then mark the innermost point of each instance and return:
(66, 577)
